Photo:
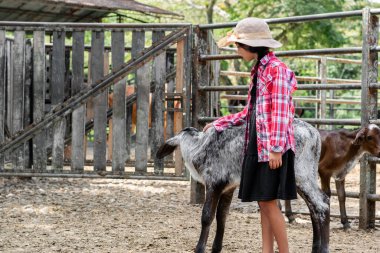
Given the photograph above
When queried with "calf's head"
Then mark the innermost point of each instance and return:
(369, 139)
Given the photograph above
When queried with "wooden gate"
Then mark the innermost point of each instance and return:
(92, 100)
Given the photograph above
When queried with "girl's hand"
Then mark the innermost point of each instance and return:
(275, 160)
(207, 127)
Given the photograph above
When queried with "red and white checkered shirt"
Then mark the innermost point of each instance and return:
(274, 108)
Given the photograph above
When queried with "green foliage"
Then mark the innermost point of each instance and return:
(332, 33)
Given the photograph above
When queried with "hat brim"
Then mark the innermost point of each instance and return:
(271, 43)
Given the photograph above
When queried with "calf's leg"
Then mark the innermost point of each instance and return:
(221, 217)
(340, 189)
(213, 194)
(320, 218)
(288, 211)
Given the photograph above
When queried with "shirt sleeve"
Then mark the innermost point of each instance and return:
(235, 119)
(282, 87)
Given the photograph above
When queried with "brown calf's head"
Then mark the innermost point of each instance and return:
(369, 138)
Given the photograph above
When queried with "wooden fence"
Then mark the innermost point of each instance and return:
(65, 102)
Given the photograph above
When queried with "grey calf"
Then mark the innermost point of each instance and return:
(215, 159)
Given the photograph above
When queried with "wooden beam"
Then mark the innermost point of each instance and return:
(2, 94)
(57, 97)
(79, 114)
(178, 117)
(17, 98)
(157, 112)
(118, 106)
(100, 102)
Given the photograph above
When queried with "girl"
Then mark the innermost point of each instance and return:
(268, 167)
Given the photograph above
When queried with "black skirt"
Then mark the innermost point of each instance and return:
(259, 182)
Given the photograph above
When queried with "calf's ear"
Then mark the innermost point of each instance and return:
(360, 136)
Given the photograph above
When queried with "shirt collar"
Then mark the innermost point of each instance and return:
(264, 61)
(269, 56)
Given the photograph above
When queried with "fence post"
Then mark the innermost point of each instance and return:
(79, 114)
(100, 101)
(17, 98)
(157, 113)
(57, 97)
(178, 116)
(2, 93)
(118, 106)
(369, 109)
(200, 103)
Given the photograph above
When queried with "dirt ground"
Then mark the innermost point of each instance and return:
(104, 215)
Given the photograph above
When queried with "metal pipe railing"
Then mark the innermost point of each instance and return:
(308, 57)
(345, 86)
(351, 122)
(296, 19)
(324, 51)
(299, 78)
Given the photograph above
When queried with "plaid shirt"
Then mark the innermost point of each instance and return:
(274, 108)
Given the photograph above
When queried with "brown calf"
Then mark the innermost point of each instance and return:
(341, 150)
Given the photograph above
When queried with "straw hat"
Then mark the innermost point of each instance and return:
(253, 32)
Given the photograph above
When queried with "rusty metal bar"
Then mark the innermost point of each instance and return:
(299, 99)
(323, 51)
(350, 217)
(351, 122)
(295, 19)
(349, 86)
(373, 159)
(299, 78)
(373, 197)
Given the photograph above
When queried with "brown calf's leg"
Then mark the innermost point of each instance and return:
(340, 189)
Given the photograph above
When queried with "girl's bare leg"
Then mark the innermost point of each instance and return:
(277, 225)
(266, 234)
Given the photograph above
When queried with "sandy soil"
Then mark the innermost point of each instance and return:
(93, 215)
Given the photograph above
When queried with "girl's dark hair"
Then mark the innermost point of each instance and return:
(261, 51)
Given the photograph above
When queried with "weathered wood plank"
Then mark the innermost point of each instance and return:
(106, 70)
(18, 94)
(200, 77)
(142, 89)
(118, 106)
(100, 102)
(39, 84)
(2, 93)
(79, 114)
(138, 44)
(9, 91)
(215, 70)
(57, 96)
(170, 88)
(28, 93)
(178, 117)
(159, 78)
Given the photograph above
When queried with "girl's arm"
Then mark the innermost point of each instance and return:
(235, 119)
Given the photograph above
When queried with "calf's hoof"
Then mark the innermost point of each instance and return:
(291, 218)
(346, 226)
